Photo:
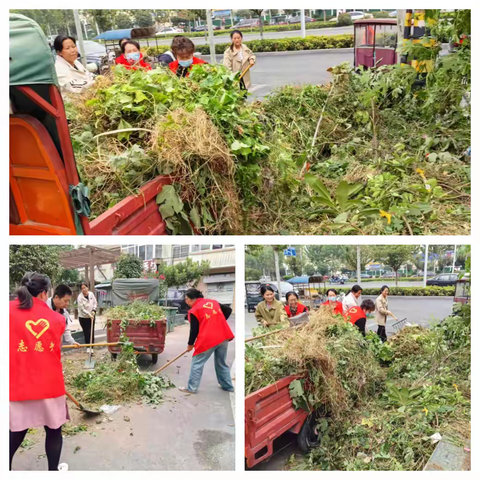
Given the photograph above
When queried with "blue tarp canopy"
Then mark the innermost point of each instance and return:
(115, 34)
(297, 280)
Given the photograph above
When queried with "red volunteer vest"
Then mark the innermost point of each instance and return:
(300, 309)
(355, 313)
(213, 329)
(122, 60)
(338, 307)
(196, 61)
(35, 347)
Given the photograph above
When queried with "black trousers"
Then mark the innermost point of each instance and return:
(87, 324)
(360, 324)
(53, 445)
(382, 333)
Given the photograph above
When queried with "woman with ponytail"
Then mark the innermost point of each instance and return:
(238, 57)
(37, 387)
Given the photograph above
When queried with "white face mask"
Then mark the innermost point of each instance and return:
(332, 299)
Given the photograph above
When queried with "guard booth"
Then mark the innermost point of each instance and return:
(462, 290)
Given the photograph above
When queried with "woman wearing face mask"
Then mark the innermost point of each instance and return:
(183, 49)
(332, 302)
(131, 57)
(238, 57)
(270, 311)
(358, 315)
(37, 387)
(293, 307)
(382, 312)
(72, 75)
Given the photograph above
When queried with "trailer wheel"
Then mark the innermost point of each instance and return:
(114, 356)
(154, 358)
(308, 437)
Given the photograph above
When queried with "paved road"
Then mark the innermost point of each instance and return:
(186, 432)
(420, 310)
(256, 36)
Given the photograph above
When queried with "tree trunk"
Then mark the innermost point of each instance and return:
(324, 15)
(359, 265)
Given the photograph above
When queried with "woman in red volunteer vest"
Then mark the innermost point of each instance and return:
(332, 302)
(37, 388)
(131, 57)
(293, 307)
(183, 49)
(209, 334)
(358, 315)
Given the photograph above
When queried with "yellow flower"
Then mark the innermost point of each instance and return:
(421, 173)
(425, 410)
(455, 386)
(387, 215)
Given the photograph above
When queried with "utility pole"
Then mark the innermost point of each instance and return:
(213, 58)
(359, 265)
(425, 267)
(302, 21)
(454, 258)
(277, 272)
(400, 30)
(78, 26)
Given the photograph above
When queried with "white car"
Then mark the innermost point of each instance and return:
(169, 30)
(393, 14)
(355, 15)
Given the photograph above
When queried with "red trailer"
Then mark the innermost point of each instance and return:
(375, 42)
(46, 196)
(269, 413)
(146, 339)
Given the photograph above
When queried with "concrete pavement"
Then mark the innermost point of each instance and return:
(186, 432)
(424, 311)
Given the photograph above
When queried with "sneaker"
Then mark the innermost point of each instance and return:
(63, 467)
(186, 390)
(225, 390)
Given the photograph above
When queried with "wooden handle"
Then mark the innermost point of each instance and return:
(245, 71)
(76, 402)
(92, 345)
(170, 362)
(251, 339)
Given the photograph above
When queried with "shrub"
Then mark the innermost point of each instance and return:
(344, 20)
(382, 14)
(404, 291)
(312, 42)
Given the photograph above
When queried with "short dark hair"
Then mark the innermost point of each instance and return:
(289, 294)
(182, 45)
(266, 288)
(32, 285)
(58, 42)
(122, 40)
(383, 288)
(356, 288)
(368, 305)
(193, 294)
(332, 290)
(84, 283)
(62, 290)
(130, 42)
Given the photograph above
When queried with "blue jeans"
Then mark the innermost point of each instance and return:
(221, 367)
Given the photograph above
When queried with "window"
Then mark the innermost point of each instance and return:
(217, 247)
(129, 249)
(141, 252)
(180, 251)
(149, 252)
(195, 248)
(158, 251)
(226, 246)
(205, 247)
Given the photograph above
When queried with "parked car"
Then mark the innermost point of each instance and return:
(443, 280)
(247, 23)
(281, 20)
(393, 14)
(355, 15)
(388, 275)
(365, 275)
(202, 28)
(298, 19)
(51, 39)
(168, 30)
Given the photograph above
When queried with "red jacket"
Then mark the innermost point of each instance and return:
(338, 307)
(354, 314)
(300, 309)
(122, 60)
(35, 348)
(213, 329)
(179, 70)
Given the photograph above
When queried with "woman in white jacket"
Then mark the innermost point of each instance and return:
(353, 299)
(72, 75)
(87, 307)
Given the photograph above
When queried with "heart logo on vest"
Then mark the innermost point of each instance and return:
(208, 305)
(38, 328)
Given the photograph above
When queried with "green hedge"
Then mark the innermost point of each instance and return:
(405, 291)
(392, 280)
(273, 45)
(266, 28)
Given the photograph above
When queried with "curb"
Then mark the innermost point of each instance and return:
(295, 52)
